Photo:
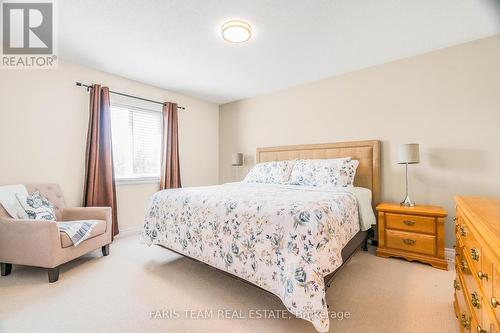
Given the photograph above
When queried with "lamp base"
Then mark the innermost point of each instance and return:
(407, 202)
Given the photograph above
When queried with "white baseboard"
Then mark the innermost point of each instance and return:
(130, 231)
(449, 255)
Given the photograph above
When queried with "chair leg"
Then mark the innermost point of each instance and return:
(105, 250)
(5, 268)
(53, 274)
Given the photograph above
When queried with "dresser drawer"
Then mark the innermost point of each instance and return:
(455, 305)
(413, 223)
(490, 283)
(475, 324)
(473, 293)
(412, 242)
(469, 240)
(488, 322)
(496, 292)
(494, 300)
(464, 316)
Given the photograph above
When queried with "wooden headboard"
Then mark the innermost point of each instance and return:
(366, 152)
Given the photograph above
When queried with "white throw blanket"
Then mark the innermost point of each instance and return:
(78, 231)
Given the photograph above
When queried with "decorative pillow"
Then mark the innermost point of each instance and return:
(338, 172)
(349, 172)
(277, 172)
(37, 207)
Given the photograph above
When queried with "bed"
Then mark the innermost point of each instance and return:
(286, 239)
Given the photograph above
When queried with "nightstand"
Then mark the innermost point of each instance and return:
(413, 233)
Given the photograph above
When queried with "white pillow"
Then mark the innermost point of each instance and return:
(337, 172)
(9, 201)
(37, 207)
(276, 172)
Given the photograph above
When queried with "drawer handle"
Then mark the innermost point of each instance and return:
(480, 330)
(465, 321)
(463, 265)
(456, 285)
(482, 275)
(455, 219)
(409, 241)
(409, 223)
(476, 302)
(463, 231)
(474, 254)
(494, 302)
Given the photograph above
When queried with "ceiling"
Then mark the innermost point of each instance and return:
(176, 44)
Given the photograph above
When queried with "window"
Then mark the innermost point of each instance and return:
(136, 135)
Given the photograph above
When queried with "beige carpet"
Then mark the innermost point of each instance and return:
(117, 294)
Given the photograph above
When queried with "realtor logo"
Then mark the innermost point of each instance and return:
(28, 34)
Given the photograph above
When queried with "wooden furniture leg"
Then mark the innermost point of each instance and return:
(105, 250)
(53, 274)
(5, 268)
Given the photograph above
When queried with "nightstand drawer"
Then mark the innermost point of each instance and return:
(412, 242)
(411, 223)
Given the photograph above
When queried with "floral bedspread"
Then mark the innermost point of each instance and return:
(282, 238)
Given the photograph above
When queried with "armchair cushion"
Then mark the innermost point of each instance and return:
(88, 213)
(98, 229)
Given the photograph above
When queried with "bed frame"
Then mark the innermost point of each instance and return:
(367, 175)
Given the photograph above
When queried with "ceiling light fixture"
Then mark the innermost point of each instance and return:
(236, 31)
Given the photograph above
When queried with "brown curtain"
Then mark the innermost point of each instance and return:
(99, 188)
(170, 171)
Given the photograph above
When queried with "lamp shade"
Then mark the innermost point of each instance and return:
(237, 159)
(409, 153)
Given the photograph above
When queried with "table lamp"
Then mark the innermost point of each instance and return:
(237, 159)
(408, 154)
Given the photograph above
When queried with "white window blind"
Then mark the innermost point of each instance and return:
(136, 135)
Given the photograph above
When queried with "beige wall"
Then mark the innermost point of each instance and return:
(448, 101)
(43, 124)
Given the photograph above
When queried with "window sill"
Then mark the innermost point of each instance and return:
(135, 181)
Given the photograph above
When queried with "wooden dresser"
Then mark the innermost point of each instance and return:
(413, 233)
(477, 264)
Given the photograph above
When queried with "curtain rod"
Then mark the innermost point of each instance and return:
(126, 95)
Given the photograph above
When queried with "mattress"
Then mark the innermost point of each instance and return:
(282, 238)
